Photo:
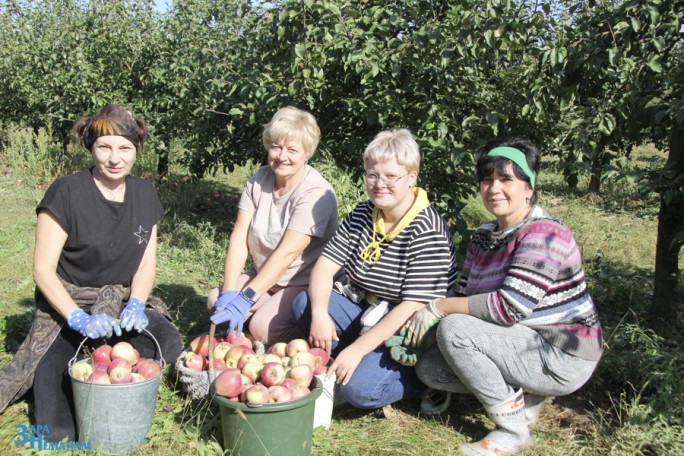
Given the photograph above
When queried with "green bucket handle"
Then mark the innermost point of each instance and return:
(162, 361)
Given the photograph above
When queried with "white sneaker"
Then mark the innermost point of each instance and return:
(434, 402)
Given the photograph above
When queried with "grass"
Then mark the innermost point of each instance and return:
(632, 405)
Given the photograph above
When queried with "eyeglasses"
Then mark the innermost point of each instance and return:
(390, 180)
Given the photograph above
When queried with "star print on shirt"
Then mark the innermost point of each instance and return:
(143, 236)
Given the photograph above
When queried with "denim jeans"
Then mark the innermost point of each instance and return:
(378, 380)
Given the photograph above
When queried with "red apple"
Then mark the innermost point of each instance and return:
(100, 378)
(252, 370)
(81, 370)
(239, 340)
(119, 371)
(246, 381)
(288, 383)
(296, 346)
(247, 358)
(200, 345)
(322, 358)
(302, 374)
(221, 349)
(234, 355)
(228, 383)
(300, 358)
(124, 350)
(279, 393)
(102, 354)
(279, 348)
(270, 358)
(272, 374)
(101, 367)
(137, 378)
(300, 391)
(195, 361)
(219, 364)
(256, 394)
(149, 369)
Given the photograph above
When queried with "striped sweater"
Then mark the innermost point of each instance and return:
(418, 265)
(532, 274)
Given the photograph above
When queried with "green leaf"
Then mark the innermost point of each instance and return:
(654, 64)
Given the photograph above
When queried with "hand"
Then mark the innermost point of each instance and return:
(234, 313)
(345, 364)
(224, 299)
(419, 325)
(322, 333)
(93, 326)
(133, 315)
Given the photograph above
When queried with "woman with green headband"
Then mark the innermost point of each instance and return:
(523, 326)
(397, 254)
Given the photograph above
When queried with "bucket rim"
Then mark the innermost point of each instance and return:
(161, 360)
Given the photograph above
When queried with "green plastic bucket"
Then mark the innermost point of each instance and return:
(277, 429)
(115, 418)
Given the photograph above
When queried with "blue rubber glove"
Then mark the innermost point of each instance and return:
(133, 315)
(224, 299)
(93, 326)
(234, 313)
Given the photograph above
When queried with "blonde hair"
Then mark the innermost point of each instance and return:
(394, 144)
(292, 123)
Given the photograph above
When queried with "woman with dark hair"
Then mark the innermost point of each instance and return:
(94, 268)
(523, 326)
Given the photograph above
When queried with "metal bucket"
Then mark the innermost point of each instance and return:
(115, 418)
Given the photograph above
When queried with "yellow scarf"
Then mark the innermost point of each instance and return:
(372, 251)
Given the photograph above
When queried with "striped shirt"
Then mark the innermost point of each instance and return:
(532, 274)
(418, 265)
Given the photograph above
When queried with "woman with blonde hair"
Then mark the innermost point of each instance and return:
(397, 254)
(286, 214)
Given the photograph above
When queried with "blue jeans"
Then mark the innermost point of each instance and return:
(378, 380)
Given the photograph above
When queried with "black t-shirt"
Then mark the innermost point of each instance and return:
(106, 239)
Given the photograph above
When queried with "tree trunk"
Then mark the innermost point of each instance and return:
(670, 222)
(162, 162)
(570, 171)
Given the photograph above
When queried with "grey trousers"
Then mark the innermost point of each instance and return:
(473, 356)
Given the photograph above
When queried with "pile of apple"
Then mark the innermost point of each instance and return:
(117, 364)
(283, 373)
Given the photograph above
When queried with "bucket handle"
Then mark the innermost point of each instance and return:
(162, 361)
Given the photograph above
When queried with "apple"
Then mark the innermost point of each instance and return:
(124, 350)
(279, 393)
(102, 354)
(100, 378)
(221, 349)
(270, 358)
(219, 364)
(234, 355)
(148, 369)
(200, 345)
(279, 348)
(304, 357)
(252, 370)
(296, 346)
(246, 381)
(256, 394)
(285, 360)
(302, 374)
(247, 358)
(119, 371)
(101, 367)
(322, 358)
(228, 383)
(81, 370)
(195, 361)
(137, 378)
(240, 340)
(289, 383)
(300, 391)
(272, 374)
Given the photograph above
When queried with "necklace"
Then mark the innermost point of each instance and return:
(116, 195)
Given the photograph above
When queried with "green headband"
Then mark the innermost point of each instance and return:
(516, 157)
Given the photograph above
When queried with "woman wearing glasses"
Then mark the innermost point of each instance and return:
(286, 214)
(397, 254)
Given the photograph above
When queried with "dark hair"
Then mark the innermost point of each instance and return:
(488, 165)
(110, 120)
